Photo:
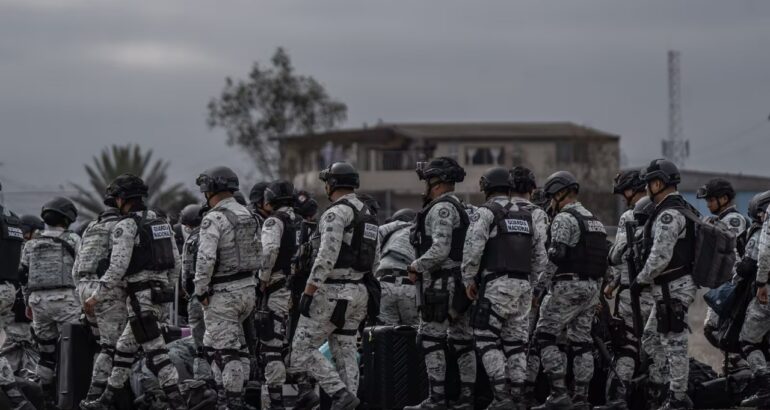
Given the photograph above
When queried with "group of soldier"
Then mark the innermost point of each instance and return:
(514, 282)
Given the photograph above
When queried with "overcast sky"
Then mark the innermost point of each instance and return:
(76, 76)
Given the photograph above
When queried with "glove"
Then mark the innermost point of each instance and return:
(304, 304)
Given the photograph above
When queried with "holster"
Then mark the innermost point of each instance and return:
(20, 309)
(460, 301)
(338, 315)
(263, 318)
(144, 325)
(480, 313)
(671, 314)
(160, 294)
(436, 303)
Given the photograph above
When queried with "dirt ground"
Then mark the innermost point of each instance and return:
(700, 348)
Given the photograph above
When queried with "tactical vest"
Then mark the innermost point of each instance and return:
(422, 242)
(11, 243)
(588, 258)
(289, 243)
(684, 250)
(511, 250)
(361, 252)
(398, 239)
(241, 256)
(189, 259)
(95, 249)
(50, 263)
(155, 251)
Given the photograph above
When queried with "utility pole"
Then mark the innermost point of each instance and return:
(675, 148)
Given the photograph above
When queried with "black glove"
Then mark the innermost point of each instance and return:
(304, 304)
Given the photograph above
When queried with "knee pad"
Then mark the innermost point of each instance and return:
(150, 360)
(226, 356)
(145, 327)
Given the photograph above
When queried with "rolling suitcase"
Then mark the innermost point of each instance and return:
(392, 369)
(76, 355)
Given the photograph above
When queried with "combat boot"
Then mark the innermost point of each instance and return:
(558, 399)
(656, 395)
(503, 400)
(276, 397)
(465, 401)
(344, 400)
(436, 399)
(234, 401)
(307, 398)
(16, 398)
(580, 398)
(529, 400)
(616, 397)
(763, 392)
(174, 398)
(677, 401)
(105, 402)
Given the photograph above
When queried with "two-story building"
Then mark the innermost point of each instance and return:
(386, 156)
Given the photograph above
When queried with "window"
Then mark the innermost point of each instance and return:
(571, 152)
(394, 160)
(484, 156)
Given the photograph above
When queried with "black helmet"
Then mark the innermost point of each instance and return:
(643, 210)
(539, 198)
(716, 188)
(30, 223)
(370, 202)
(523, 179)
(559, 181)
(61, 206)
(280, 193)
(340, 175)
(403, 215)
(306, 206)
(239, 198)
(627, 180)
(444, 168)
(218, 179)
(257, 193)
(496, 179)
(663, 170)
(757, 204)
(126, 186)
(191, 215)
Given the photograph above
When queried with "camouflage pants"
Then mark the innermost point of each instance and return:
(313, 331)
(275, 369)
(455, 333)
(201, 366)
(51, 309)
(155, 350)
(755, 327)
(570, 306)
(7, 297)
(502, 345)
(669, 350)
(224, 335)
(625, 365)
(398, 305)
(106, 324)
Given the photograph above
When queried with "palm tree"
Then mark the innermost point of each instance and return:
(116, 160)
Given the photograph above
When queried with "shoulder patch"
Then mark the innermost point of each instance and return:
(206, 223)
(270, 222)
(666, 219)
(118, 233)
(475, 217)
(735, 222)
(330, 217)
(443, 213)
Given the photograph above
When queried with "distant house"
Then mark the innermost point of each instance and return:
(386, 155)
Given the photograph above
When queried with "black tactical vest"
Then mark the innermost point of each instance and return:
(360, 254)
(589, 257)
(11, 242)
(190, 259)
(684, 250)
(422, 242)
(289, 243)
(155, 250)
(511, 250)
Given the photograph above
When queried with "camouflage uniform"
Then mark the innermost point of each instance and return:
(227, 260)
(125, 241)
(201, 365)
(398, 305)
(50, 292)
(736, 223)
(569, 305)
(110, 314)
(7, 298)
(276, 299)
(668, 350)
(315, 329)
(757, 322)
(502, 344)
(440, 222)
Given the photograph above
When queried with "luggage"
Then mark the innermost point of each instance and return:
(393, 371)
(76, 355)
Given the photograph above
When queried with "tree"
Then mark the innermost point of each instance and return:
(116, 160)
(273, 102)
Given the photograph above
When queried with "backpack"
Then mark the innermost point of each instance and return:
(714, 252)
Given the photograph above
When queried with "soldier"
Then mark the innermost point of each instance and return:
(438, 238)
(108, 319)
(668, 252)
(11, 242)
(31, 225)
(279, 244)
(629, 185)
(50, 291)
(398, 305)
(755, 265)
(335, 299)
(257, 201)
(145, 257)
(228, 256)
(502, 251)
(578, 248)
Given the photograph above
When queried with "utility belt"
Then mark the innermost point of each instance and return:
(344, 281)
(42, 288)
(396, 276)
(437, 303)
(160, 293)
(218, 280)
(563, 277)
(510, 275)
(671, 313)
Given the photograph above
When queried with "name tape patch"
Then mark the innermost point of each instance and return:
(517, 226)
(595, 226)
(161, 232)
(15, 232)
(370, 232)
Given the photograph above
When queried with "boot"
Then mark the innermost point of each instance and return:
(174, 397)
(503, 400)
(558, 399)
(465, 401)
(306, 397)
(763, 392)
(16, 398)
(435, 401)
(656, 395)
(580, 398)
(105, 402)
(276, 397)
(616, 397)
(529, 400)
(677, 401)
(344, 400)
(234, 401)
